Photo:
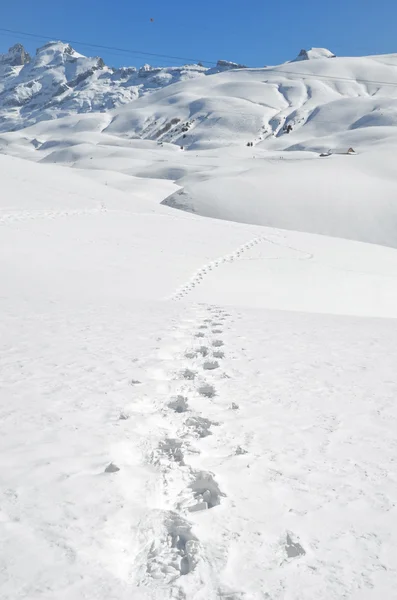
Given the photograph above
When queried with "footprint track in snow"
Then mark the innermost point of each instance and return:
(204, 492)
(199, 426)
(188, 374)
(198, 277)
(210, 365)
(175, 552)
(202, 351)
(217, 343)
(172, 449)
(17, 216)
(179, 404)
(207, 390)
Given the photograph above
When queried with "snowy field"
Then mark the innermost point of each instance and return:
(255, 446)
(198, 404)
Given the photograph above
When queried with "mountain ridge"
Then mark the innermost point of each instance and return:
(58, 81)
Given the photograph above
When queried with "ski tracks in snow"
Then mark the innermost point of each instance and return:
(175, 562)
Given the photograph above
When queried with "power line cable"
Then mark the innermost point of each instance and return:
(330, 77)
(276, 70)
(102, 47)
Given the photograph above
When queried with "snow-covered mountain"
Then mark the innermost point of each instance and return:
(58, 81)
(321, 103)
(246, 133)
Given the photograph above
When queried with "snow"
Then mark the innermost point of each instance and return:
(200, 404)
(331, 105)
(313, 54)
(59, 81)
(115, 306)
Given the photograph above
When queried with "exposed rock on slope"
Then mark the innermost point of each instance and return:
(314, 53)
(58, 81)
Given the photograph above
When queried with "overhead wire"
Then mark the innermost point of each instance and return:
(276, 70)
(103, 47)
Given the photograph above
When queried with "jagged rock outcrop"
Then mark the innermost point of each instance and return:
(314, 53)
(226, 64)
(58, 81)
(16, 56)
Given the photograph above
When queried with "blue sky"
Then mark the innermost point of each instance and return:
(254, 32)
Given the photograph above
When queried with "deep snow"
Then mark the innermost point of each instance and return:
(200, 408)
(145, 338)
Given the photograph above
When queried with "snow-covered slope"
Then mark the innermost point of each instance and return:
(329, 104)
(58, 81)
(164, 433)
(243, 144)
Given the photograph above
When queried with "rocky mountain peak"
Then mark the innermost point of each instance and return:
(16, 56)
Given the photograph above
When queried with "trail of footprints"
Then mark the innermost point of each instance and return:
(198, 277)
(177, 552)
(17, 216)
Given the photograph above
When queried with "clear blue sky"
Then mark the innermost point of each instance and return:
(254, 32)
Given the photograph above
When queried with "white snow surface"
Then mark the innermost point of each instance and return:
(199, 404)
(240, 378)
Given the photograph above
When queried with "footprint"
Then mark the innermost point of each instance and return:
(188, 374)
(218, 354)
(112, 468)
(206, 390)
(210, 365)
(206, 492)
(179, 404)
(217, 331)
(199, 334)
(293, 549)
(217, 343)
(176, 553)
(200, 425)
(203, 350)
(172, 448)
